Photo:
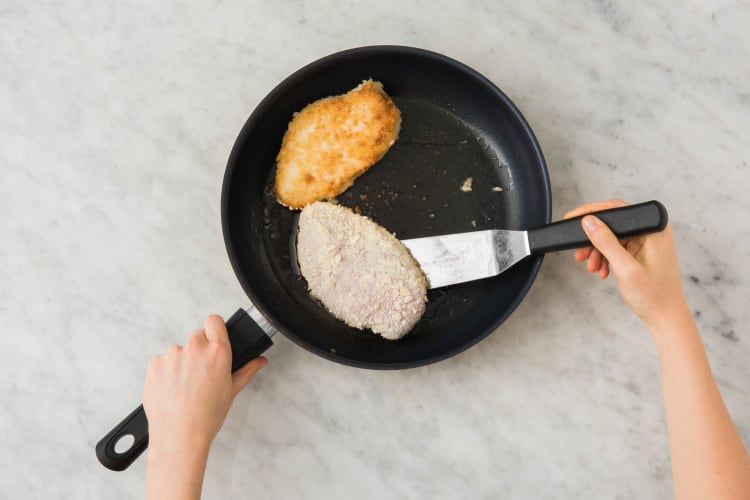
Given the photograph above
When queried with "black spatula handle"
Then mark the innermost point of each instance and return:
(632, 220)
(248, 341)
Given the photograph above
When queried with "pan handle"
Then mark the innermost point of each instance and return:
(631, 220)
(248, 340)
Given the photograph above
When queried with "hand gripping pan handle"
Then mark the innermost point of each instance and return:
(630, 220)
(248, 341)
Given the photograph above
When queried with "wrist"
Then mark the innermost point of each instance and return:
(176, 446)
(672, 324)
(175, 470)
(666, 314)
(178, 435)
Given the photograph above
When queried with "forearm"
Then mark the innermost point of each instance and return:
(174, 473)
(708, 457)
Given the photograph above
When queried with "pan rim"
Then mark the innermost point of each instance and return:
(263, 108)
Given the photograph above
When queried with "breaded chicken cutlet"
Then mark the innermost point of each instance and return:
(360, 272)
(332, 141)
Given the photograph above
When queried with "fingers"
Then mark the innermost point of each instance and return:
(606, 243)
(582, 254)
(604, 270)
(595, 207)
(197, 338)
(245, 374)
(595, 261)
(633, 245)
(171, 352)
(216, 329)
(598, 264)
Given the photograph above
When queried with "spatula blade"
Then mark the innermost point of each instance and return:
(456, 258)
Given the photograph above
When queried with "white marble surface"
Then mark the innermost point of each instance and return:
(116, 120)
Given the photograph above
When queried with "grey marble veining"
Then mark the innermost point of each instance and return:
(115, 125)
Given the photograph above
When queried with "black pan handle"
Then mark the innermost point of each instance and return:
(248, 341)
(632, 220)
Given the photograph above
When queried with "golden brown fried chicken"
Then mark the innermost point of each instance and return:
(332, 141)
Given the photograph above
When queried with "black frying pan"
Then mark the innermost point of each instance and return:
(455, 124)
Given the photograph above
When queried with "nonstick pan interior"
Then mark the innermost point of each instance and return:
(455, 125)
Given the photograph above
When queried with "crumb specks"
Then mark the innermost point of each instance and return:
(466, 186)
(497, 189)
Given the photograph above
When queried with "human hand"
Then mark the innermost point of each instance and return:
(707, 454)
(189, 390)
(187, 395)
(645, 266)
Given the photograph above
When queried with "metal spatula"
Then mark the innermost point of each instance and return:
(455, 258)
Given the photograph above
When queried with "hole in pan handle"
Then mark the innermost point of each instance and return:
(249, 335)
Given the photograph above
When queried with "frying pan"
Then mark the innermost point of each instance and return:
(456, 124)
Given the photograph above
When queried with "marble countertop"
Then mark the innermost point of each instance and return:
(116, 121)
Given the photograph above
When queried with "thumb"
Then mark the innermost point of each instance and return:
(245, 374)
(606, 242)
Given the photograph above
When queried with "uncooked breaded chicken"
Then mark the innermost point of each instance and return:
(360, 272)
(333, 141)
